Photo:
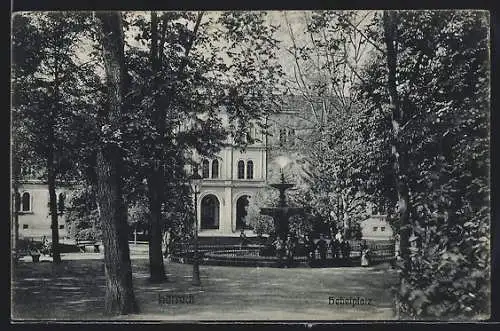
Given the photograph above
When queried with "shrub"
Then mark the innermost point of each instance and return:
(88, 234)
(82, 216)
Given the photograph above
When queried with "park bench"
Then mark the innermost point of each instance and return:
(81, 244)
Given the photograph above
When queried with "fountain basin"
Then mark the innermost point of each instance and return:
(248, 258)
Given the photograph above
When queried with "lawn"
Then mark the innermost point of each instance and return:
(74, 290)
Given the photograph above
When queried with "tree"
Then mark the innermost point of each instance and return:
(399, 118)
(181, 86)
(436, 76)
(328, 50)
(162, 101)
(45, 83)
(120, 296)
(417, 107)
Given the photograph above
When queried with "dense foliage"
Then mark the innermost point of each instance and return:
(443, 87)
(82, 216)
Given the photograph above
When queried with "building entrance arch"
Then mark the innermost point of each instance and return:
(210, 212)
(242, 212)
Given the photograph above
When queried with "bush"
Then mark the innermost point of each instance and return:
(82, 216)
(27, 246)
(263, 225)
(88, 234)
(448, 279)
(354, 232)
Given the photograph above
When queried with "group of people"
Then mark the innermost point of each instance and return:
(285, 249)
(315, 249)
(337, 247)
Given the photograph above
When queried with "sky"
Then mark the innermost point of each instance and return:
(288, 21)
(296, 19)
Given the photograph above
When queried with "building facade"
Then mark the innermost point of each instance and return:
(230, 180)
(32, 204)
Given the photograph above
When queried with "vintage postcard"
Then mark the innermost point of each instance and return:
(250, 165)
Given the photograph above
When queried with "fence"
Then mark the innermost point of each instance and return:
(382, 251)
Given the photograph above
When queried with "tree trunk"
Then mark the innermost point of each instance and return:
(399, 150)
(54, 224)
(156, 178)
(51, 166)
(119, 298)
(155, 192)
(345, 216)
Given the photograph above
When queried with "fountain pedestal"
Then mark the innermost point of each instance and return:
(283, 212)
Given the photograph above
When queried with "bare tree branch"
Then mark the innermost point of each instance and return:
(372, 42)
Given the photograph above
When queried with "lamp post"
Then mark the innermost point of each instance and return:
(196, 180)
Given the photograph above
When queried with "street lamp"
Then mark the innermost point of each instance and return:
(282, 161)
(195, 181)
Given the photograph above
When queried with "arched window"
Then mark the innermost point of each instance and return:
(60, 202)
(241, 169)
(282, 137)
(291, 136)
(26, 202)
(205, 169)
(215, 169)
(250, 170)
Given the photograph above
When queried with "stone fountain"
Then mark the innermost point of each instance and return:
(283, 212)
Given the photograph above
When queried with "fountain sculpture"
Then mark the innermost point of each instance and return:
(283, 212)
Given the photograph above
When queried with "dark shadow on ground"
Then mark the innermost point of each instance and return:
(74, 290)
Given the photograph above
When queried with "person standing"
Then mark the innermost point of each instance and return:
(243, 238)
(322, 248)
(365, 262)
(280, 249)
(309, 248)
(167, 242)
(289, 250)
(346, 253)
(46, 246)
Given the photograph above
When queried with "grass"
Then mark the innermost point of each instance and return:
(74, 290)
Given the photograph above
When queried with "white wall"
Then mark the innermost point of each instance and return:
(38, 218)
(376, 227)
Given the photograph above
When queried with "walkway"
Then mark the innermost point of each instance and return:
(74, 290)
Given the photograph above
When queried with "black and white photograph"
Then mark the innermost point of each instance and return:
(244, 165)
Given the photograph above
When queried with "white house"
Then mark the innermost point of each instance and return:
(376, 227)
(34, 217)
